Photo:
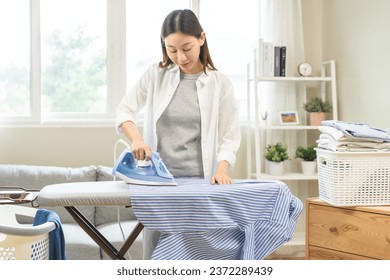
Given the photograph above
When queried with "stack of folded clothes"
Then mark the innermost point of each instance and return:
(338, 136)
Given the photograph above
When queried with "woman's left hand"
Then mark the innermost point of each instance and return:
(221, 176)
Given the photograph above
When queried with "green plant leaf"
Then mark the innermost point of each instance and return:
(276, 153)
(306, 153)
(316, 104)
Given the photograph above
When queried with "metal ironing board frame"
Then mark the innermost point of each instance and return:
(103, 243)
(19, 195)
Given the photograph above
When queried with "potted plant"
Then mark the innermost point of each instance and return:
(308, 156)
(276, 155)
(317, 109)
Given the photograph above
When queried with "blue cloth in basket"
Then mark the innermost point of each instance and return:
(56, 236)
(246, 220)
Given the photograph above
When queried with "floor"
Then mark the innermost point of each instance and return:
(288, 252)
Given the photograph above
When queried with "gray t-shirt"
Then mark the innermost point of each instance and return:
(179, 130)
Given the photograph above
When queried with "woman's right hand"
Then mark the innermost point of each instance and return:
(140, 150)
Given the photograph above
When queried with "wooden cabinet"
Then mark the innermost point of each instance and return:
(335, 233)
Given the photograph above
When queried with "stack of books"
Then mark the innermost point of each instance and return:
(271, 59)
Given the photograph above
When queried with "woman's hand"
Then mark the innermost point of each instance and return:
(139, 149)
(221, 176)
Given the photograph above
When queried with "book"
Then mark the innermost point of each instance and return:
(283, 51)
(268, 64)
(277, 61)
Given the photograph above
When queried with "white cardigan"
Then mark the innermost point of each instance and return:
(220, 129)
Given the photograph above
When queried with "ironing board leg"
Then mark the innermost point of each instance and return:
(130, 240)
(91, 230)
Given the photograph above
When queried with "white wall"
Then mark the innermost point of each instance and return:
(312, 21)
(356, 35)
(353, 32)
(61, 146)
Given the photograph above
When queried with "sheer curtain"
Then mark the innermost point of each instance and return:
(281, 23)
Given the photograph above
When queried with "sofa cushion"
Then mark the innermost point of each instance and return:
(78, 244)
(109, 214)
(113, 234)
(104, 173)
(36, 177)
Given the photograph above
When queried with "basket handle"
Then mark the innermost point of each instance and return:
(322, 160)
(28, 231)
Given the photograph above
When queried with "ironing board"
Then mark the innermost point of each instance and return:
(199, 220)
(247, 220)
(104, 193)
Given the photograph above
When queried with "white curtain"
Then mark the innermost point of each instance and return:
(281, 23)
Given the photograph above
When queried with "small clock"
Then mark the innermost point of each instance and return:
(304, 69)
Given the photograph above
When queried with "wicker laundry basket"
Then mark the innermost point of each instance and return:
(19, 240)
(354, 178)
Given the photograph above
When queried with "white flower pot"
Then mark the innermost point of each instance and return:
(309, 167)
(275, 168)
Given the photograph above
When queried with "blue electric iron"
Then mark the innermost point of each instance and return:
(151, 173)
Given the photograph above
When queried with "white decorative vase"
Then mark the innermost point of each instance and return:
(275, 168)
(309, 167)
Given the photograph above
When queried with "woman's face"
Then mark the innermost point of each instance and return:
(184, 51)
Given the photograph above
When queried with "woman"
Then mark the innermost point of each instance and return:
(191, 116)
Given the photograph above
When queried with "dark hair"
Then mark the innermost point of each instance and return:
(186, 22)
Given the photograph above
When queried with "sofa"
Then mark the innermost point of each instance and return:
(78, 245)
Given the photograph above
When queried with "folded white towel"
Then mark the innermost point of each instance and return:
(333, 132)
(351, 147)
(325, 139)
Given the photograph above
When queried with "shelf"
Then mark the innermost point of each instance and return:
(262, 132)
(295, 79)
(285, 127)
(289, 127)
(286, 177)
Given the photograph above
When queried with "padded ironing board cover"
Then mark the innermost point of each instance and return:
(247, 220)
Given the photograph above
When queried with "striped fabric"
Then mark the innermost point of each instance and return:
(247, 220)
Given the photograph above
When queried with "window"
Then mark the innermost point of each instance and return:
(73, 56)
(230, 45)
(54, 63)
(73, 60)
(143, 33)
(15, 58)
(231, 34)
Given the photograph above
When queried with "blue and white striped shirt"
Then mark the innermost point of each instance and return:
(197, 220)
